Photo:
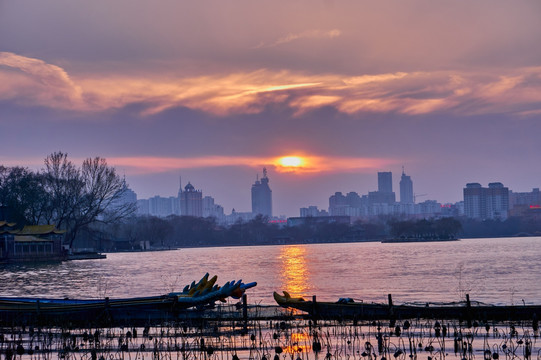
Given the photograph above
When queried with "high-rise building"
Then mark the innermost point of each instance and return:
(338, 204)
(474, 203)
(191, 201)
(262, 196)
(497, 201)
(385, 182)
(406, 189)
(532, 198)
(486, 203)
(160, 206)
(385, 194)
(211, 209)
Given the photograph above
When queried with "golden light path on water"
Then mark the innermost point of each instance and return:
(294, 272)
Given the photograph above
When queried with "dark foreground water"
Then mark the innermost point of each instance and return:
(499, 271)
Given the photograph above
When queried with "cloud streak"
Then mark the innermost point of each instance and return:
(35, 82)
(30, 81)
(309, 34)
(313, 164)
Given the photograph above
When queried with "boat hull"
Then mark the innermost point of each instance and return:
(89, 312)
(117, 312)
(366, 311)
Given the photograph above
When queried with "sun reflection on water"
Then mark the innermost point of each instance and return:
(300, 342)
(294, 271)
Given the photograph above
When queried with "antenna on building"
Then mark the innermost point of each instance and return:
(265, 172)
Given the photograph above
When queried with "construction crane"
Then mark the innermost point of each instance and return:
(415, 196)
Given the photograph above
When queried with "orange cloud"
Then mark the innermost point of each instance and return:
(34, 82)
(310, 164)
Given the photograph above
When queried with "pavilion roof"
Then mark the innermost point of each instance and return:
(6, 224)
(39, 230)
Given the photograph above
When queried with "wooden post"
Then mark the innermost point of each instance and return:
(468, 310)
(245, 307)
(245, 310)
(314, 309)
(391, 311)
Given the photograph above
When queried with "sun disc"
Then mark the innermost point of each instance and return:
(291, 161)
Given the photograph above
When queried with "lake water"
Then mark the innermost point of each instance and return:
(498, 271)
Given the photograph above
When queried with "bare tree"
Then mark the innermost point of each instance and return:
(65, 188)
(81, 197)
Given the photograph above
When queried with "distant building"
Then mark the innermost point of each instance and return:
(124, 199)
(354, 200)
(210, 209)
(349, 205)
(337, 204)
(385, 194)
(262, 196)
(486, 203)
(428, 208)
(525, 204)
(143, 207)
(160, 206)
(406, 189)
(383, 202)
(312, 211)
(527, 199)
(452, 210)
(236, 217)
(379, 197)
(191, 201)
(385, 182)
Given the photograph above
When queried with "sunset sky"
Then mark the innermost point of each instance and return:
(212, 91)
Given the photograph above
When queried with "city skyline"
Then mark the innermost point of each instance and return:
(405, 195)
(323, 94)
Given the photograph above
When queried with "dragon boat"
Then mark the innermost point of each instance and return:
(173, 306)
(346, 308)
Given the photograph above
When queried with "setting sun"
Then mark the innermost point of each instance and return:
(291, 161)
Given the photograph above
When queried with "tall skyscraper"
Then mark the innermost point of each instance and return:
(406, 189)
(385, 182)
(385, 194)
(191, 201)
(262, 196)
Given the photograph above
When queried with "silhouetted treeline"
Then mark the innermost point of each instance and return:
(444, 228)
(186, 231)
(447, 228)
(513, 226)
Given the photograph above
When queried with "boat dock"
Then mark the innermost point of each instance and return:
(263, 332)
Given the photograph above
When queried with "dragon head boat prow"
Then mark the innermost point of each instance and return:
(286, 299)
